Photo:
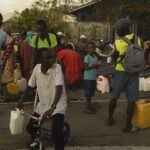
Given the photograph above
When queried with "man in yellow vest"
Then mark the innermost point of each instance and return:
(122, 80)
(43, 39)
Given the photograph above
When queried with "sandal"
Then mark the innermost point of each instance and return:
(89, 111)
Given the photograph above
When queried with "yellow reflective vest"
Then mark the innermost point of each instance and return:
(121, 47)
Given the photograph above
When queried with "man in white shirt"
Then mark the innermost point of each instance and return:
(48, 79)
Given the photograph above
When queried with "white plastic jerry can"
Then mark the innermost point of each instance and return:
(147, 84)
(22, 84)
(141, 84)
(16, 122)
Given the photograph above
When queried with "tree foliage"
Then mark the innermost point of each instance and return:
(41, 9)
(107, 10)
(110, 10)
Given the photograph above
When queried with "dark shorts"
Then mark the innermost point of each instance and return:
(125, 82)
(90, 87)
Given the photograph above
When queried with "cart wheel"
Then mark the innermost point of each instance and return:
(66, 131)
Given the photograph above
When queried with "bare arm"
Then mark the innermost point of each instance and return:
(115, 55)
(89, 67)
(58, 94)
(23, 96)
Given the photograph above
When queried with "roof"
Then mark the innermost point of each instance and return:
(84, 6)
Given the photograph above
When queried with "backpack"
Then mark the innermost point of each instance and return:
(133, 60)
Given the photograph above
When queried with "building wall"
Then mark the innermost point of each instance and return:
(93, 30)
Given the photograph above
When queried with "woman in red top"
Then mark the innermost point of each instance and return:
(72, 65)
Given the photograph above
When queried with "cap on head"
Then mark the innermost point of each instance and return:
(60, 33)
(122, 23)
(82, 37)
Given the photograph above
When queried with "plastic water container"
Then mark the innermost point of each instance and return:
(141, 84)
(102, 84)
(146, 84)
(12, 88)
(16, 122)
(22, 84)
(141, 115)
(109, 60)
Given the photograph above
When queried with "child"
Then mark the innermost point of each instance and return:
(91, 64)
(48, 78)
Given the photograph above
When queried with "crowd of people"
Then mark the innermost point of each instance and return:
(52, 64)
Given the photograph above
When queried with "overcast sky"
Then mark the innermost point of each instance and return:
(9, 6)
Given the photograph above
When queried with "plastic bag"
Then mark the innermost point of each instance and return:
(102, 84)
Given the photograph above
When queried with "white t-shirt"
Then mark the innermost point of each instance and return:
(46, 88)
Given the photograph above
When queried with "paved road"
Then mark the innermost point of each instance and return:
(78, 95)
(86, 130)
(104, 148)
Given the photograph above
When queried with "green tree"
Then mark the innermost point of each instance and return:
(47, 10)
(110, 10)
(137, 10)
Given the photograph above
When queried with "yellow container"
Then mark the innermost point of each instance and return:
(12, 88)
(141, 117)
